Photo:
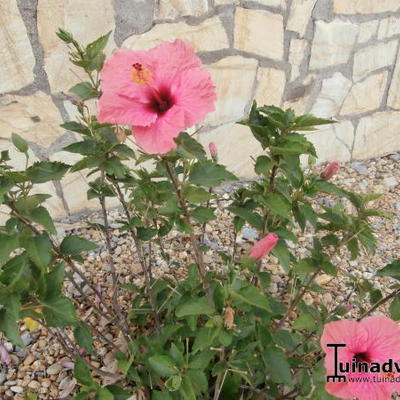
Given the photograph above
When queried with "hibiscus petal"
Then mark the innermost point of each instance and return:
(384, 338)
(120, 109)
(158, 137)
(194, 93)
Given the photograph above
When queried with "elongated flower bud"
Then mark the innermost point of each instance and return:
(330, 170)
(264, 246)
(213, 150)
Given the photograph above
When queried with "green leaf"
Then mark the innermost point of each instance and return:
(304, 322)
(84, 91)
(189, 147)
(278, 366)
(278, 204)
(59, 311)
(8, 243)
(203, 214)
(39, 249)
(82, 373)
(392, 270)
(74, 245)
(197, 306)
(146, 233)
(157, 395)
(9, 315)
(263, 165)
(173, 383)
(202, 360)
(45, 171)
(186, 390)
(196, 194)
(307, 122)
(252, 296)
(252, 218)
(395, 309)
(19, 143)
(104, 394)
(84, 147)
(118, 392)
(41, 216)
(207, 173)
(16, 274)
(83, 337)
(76, 127)
(163, 365)
(94, 48)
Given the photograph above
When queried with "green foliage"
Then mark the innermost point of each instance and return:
(211, 333)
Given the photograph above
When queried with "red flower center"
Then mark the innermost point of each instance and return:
(362, 357)
(161, 101)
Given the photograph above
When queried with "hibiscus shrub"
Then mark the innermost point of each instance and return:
(214, 334)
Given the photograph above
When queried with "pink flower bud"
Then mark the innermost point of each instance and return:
(82, 352)
(264, 246)
(213, 150)
(330, 170)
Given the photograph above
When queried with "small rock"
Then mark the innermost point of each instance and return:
(361, 169)
(30, 358)
(395, 157)
(390, 182)
(249, 233)
(323, 279)
(16, 389)
(54, 369)
(3, 377)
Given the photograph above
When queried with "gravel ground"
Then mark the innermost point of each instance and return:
(43, 368)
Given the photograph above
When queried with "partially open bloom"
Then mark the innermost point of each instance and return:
(372, 340)
(330, 170)
(159, 92)
(264, 246)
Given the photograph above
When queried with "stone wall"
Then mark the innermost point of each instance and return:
(334, 58)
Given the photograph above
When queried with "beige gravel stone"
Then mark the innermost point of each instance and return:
(299, 16)
(235, 144)
(367, 30)
(365, 6)
(372, 58)
(232, 99)
(17, 60)
(360, 100)
(389, 27)
(209, 35)
(34, 117)
(374, 135)
(167, 9)
(260, 32)
(393, 100)
(271, 85)
(330, 99)
(86, 20)
(333, 142)
(332, 43)
(297, 53)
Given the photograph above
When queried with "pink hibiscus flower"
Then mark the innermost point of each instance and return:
(159, 92)
(372, 340)
(264, 246)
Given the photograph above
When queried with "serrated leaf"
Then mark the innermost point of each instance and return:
(59, 311)
(84, 90)
(41, 216)
(82, 373)
(252, 296)
(39, 249)
(83, 337)
(203, 214)
(196, 194)
(392, 269)
(45, 171)
(163, 365)
(207, 173)
(278, 366)
(74, 245)
(197, 306)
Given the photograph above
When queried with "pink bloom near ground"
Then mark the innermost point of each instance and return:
(374, 339)
(263, 246)
(159, 92)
